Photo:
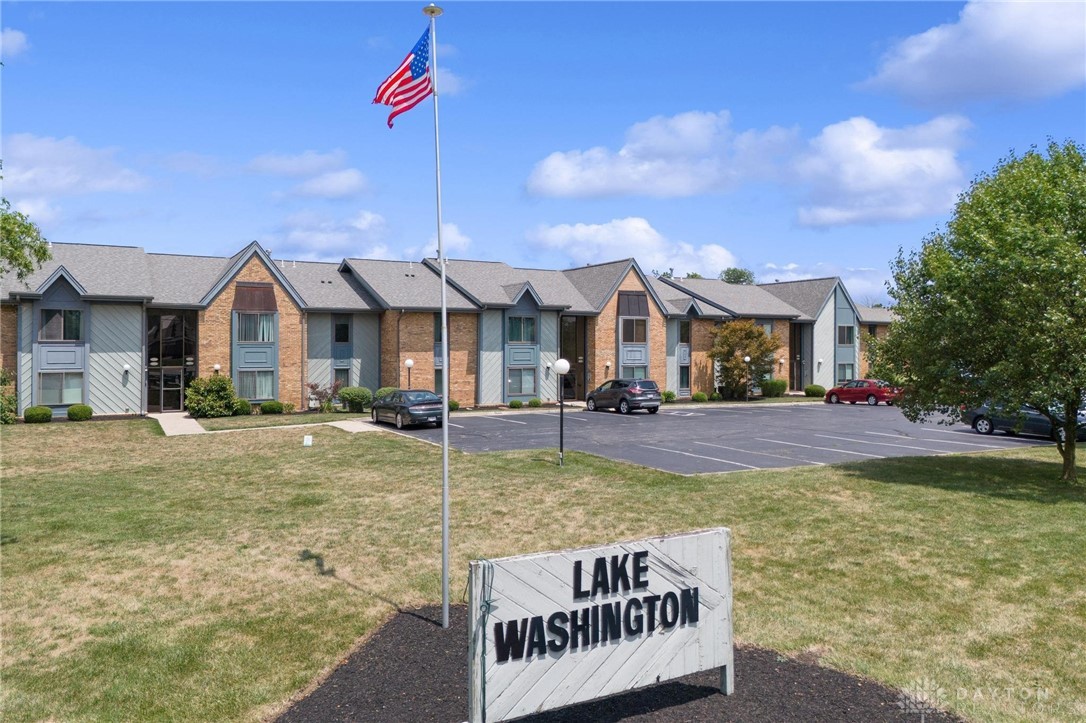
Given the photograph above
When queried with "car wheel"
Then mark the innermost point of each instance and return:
(400, 423)
(623, 407)
(654, 410)
(591, 404)
(834, 399)
(373, 416)
(872, 400)
(983, 425)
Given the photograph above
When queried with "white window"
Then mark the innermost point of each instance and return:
(521, 330)
(256, 385)
(636, 372)
(61, 325)
(845, 372)
(522, 381)
(61, 388)
(846, 335)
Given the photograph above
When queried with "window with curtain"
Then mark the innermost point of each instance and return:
(256, 385)
(61, 388)
(522, 381)
(256, 327)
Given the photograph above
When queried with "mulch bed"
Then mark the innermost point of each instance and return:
(413, 670)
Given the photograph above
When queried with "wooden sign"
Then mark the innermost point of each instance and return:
(552, 629)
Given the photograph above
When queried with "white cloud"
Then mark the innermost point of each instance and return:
(449, 83)
(309, 236)
(309, 163)
(334, 184)
(996, 50)
(12, 43)
(683, 155)
(197, 164)
(44, 166)
(455, 241)
(866, 286)
(858, 172)
(39, 210)
(622, 238)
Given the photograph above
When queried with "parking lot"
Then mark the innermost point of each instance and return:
(696, 440)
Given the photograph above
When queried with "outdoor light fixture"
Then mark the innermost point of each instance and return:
(561, 368)
(746, 360)
(409, 363)
(216, 368)
(126, 368)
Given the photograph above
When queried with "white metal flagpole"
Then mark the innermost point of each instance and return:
(433, 11)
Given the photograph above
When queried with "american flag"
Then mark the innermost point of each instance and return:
(409, 85)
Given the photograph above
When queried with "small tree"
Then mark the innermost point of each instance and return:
(735, 275)
(693, 275)
(22, 247)
(324, 395)
(992, 308)
(734, 340)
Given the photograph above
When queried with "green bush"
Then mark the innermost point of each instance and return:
(774, 387)
(288, 407)
(37, 415)
(516, 404)
(9, 403)
(715, 397)
(80, 412)
(383, 392)
(210, 397)
(356, 398)
(814, 390)
(242, 407)
(271, 407)
(534, 403)
(699, 397)
(669, 396)
(453, 405)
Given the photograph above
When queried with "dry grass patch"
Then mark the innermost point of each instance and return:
(211, 577)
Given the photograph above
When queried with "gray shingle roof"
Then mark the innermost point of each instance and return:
(496, 284)
(407, 285)
(324, 286)
(105, 271)
(596, 282)
(183, 280)
(873, 315)
(676, 301)
(741, 300)
(808, 295)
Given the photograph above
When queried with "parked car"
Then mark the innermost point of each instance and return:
(988, 418)
(625, 395)
(871, 391)
(405, 407)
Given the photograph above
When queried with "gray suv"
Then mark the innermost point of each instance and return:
(625, 395)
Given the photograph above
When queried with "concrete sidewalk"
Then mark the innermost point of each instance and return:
(177, 423)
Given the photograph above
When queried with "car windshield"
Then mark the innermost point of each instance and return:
(420, 396)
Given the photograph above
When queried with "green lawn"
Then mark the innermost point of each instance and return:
(177, 578)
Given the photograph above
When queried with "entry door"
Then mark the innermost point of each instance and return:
(165, 390)
(572, 350)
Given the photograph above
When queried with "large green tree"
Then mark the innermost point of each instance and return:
(736, 275)
(993, 308)
(22, 247)
(732, 342)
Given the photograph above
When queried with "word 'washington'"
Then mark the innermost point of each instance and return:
(587, 626)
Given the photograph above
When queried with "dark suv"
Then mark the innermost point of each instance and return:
(624, 395)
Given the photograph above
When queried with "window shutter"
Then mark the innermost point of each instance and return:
(633, 303)
(253, 296)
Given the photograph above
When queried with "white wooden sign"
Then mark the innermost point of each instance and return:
(553, 629)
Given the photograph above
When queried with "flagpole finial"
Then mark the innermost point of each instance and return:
(432, 10)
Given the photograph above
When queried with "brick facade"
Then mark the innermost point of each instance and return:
(215, 334)
(410, 335)
(602, 337)
(701, 366)
(9, 337)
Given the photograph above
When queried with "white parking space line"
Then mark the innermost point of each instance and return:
(937, 441)
(458, 426)
(764, 454)
(575, 419)
(881, 444)
(699, 456)
(824, 449)
(508, 421)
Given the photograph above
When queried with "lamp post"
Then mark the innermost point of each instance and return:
(746, 360)
(561, 368)
(409, 363)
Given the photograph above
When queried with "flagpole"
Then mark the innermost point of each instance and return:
(432, 11)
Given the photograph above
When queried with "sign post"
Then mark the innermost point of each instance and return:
(553, 629)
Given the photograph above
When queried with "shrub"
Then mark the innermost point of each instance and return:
(210, 397)
(356, 398)
(453, 405)
(774, 387)
(323, 396)
(669, 396)
(715, 397)
(80, 412)
(533, 403)
(242, 408)
(37, 415)
(271, 407)
(516, 404)
(383, 392)
(814, 390)
(9, 403)
(699, 397)
(288, 407)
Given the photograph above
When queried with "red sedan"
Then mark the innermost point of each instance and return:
(871, 391)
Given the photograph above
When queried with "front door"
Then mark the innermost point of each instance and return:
(572, 349)
(166, 389)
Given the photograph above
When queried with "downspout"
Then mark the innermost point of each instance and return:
(143, 359)
(304, 324)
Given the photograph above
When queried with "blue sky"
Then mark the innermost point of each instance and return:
(795, 139)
